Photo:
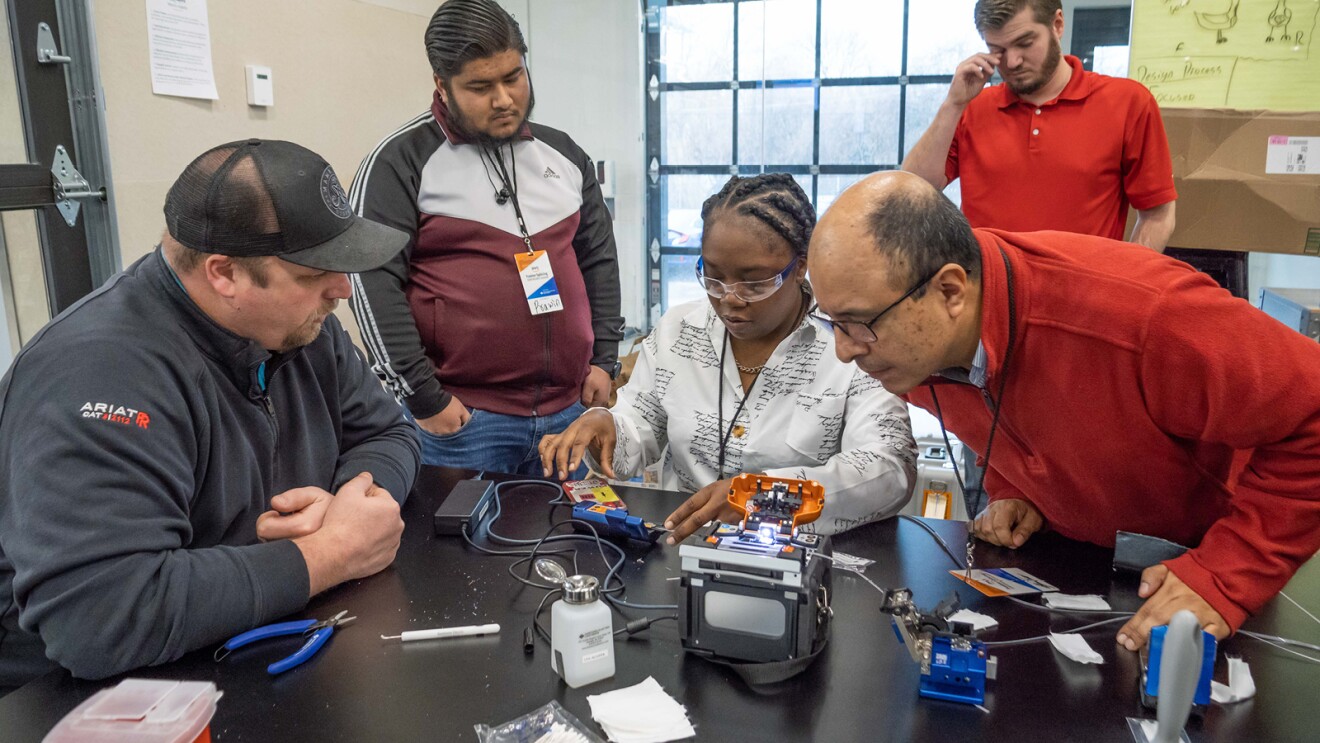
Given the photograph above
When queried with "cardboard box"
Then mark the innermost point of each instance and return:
(1226, 198)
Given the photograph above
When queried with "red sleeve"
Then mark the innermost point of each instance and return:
(1253, 387)
(1147, 165)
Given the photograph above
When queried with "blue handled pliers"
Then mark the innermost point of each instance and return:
(318, 632)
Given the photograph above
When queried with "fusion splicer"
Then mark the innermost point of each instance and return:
(954, 664)
(758, 591)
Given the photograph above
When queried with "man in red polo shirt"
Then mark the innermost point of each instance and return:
(1053, 147)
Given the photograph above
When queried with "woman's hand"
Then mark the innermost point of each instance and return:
(561, 453)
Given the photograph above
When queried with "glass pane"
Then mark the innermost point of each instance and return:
(678, 280)
(683, 196)
(1111, 60)
(805, 182)
(940, 35)
(787, 139)
(777, 40)
(830, 186)
(696, 126)
(954, 192)
(861, 38)
(859, 125)
(923, 102)
(695, 43)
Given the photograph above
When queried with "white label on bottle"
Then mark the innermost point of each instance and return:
(596, 637)
(591, 657)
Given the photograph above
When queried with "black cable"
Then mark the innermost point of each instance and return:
(643, 624)
(940, 540)
(535, 550)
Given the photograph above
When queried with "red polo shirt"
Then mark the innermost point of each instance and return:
(1071, 164)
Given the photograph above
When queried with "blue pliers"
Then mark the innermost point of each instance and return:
(318, 632)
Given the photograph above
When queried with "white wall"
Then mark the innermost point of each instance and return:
(585, 58)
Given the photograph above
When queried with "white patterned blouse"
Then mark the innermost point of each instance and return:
(807, 416)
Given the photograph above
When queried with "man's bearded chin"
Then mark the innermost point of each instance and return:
(463, 124)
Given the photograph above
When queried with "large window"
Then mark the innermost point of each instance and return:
(828, 90)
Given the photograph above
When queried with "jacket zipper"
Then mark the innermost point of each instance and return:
(270, 413)
(536, 401)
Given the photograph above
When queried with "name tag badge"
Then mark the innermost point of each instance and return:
(538, 281)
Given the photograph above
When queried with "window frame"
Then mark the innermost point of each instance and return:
(657, 238)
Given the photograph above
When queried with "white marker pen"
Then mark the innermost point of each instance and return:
(444, 632)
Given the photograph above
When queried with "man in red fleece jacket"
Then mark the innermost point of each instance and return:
(1124, 381)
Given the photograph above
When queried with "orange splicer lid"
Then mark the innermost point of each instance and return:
(747, 486)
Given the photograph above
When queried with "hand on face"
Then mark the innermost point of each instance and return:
(971, 76)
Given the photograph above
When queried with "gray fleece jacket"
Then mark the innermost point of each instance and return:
(139, 441)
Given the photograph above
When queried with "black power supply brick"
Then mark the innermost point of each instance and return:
(464, 508)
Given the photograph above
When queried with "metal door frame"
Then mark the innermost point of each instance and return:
(62, 105)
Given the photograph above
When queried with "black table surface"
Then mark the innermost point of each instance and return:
(862, 688)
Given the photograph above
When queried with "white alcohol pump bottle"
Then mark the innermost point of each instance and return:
(581, 628)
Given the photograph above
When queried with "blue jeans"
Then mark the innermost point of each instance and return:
(496, 443)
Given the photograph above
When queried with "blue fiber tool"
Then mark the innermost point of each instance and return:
(1150, 690)
(615, 522)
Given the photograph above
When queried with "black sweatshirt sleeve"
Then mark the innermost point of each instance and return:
(385, 191)
(598, 258)
(376, 436)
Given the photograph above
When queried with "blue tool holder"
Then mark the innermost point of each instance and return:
(614, 522)
(1153, 665)
(956, 675)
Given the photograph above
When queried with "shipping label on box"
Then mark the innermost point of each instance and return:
(1292, 155)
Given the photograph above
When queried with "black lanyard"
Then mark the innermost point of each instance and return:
(724, 442)
(509, 180)
(996, 404)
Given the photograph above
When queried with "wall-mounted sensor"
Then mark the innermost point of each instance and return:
(260, 86)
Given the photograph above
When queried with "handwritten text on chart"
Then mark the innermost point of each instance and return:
(1193, 81)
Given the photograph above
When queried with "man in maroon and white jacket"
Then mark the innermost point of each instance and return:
(484, 362)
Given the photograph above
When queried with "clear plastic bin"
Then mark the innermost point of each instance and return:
(142, 711)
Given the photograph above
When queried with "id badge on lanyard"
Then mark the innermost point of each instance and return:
(538, 280)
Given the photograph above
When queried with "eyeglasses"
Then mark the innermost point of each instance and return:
(862, 332)
(747, 291)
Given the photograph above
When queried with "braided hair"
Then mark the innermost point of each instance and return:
(775, 199)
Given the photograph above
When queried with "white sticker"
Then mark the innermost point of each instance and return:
(1292, 156)
(593, 657)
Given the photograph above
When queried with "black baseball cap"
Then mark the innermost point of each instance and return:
(267, 197)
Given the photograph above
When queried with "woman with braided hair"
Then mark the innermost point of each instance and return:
(748, 382)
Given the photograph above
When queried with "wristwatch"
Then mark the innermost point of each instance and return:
(611, 369)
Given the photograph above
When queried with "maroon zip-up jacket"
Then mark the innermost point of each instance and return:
(448, 316)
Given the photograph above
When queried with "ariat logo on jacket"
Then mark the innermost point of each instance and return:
(115, 414)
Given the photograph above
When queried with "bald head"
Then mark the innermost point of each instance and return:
(893, 263)
(901, 217)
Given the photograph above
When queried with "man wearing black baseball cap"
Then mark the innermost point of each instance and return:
(170, 444)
